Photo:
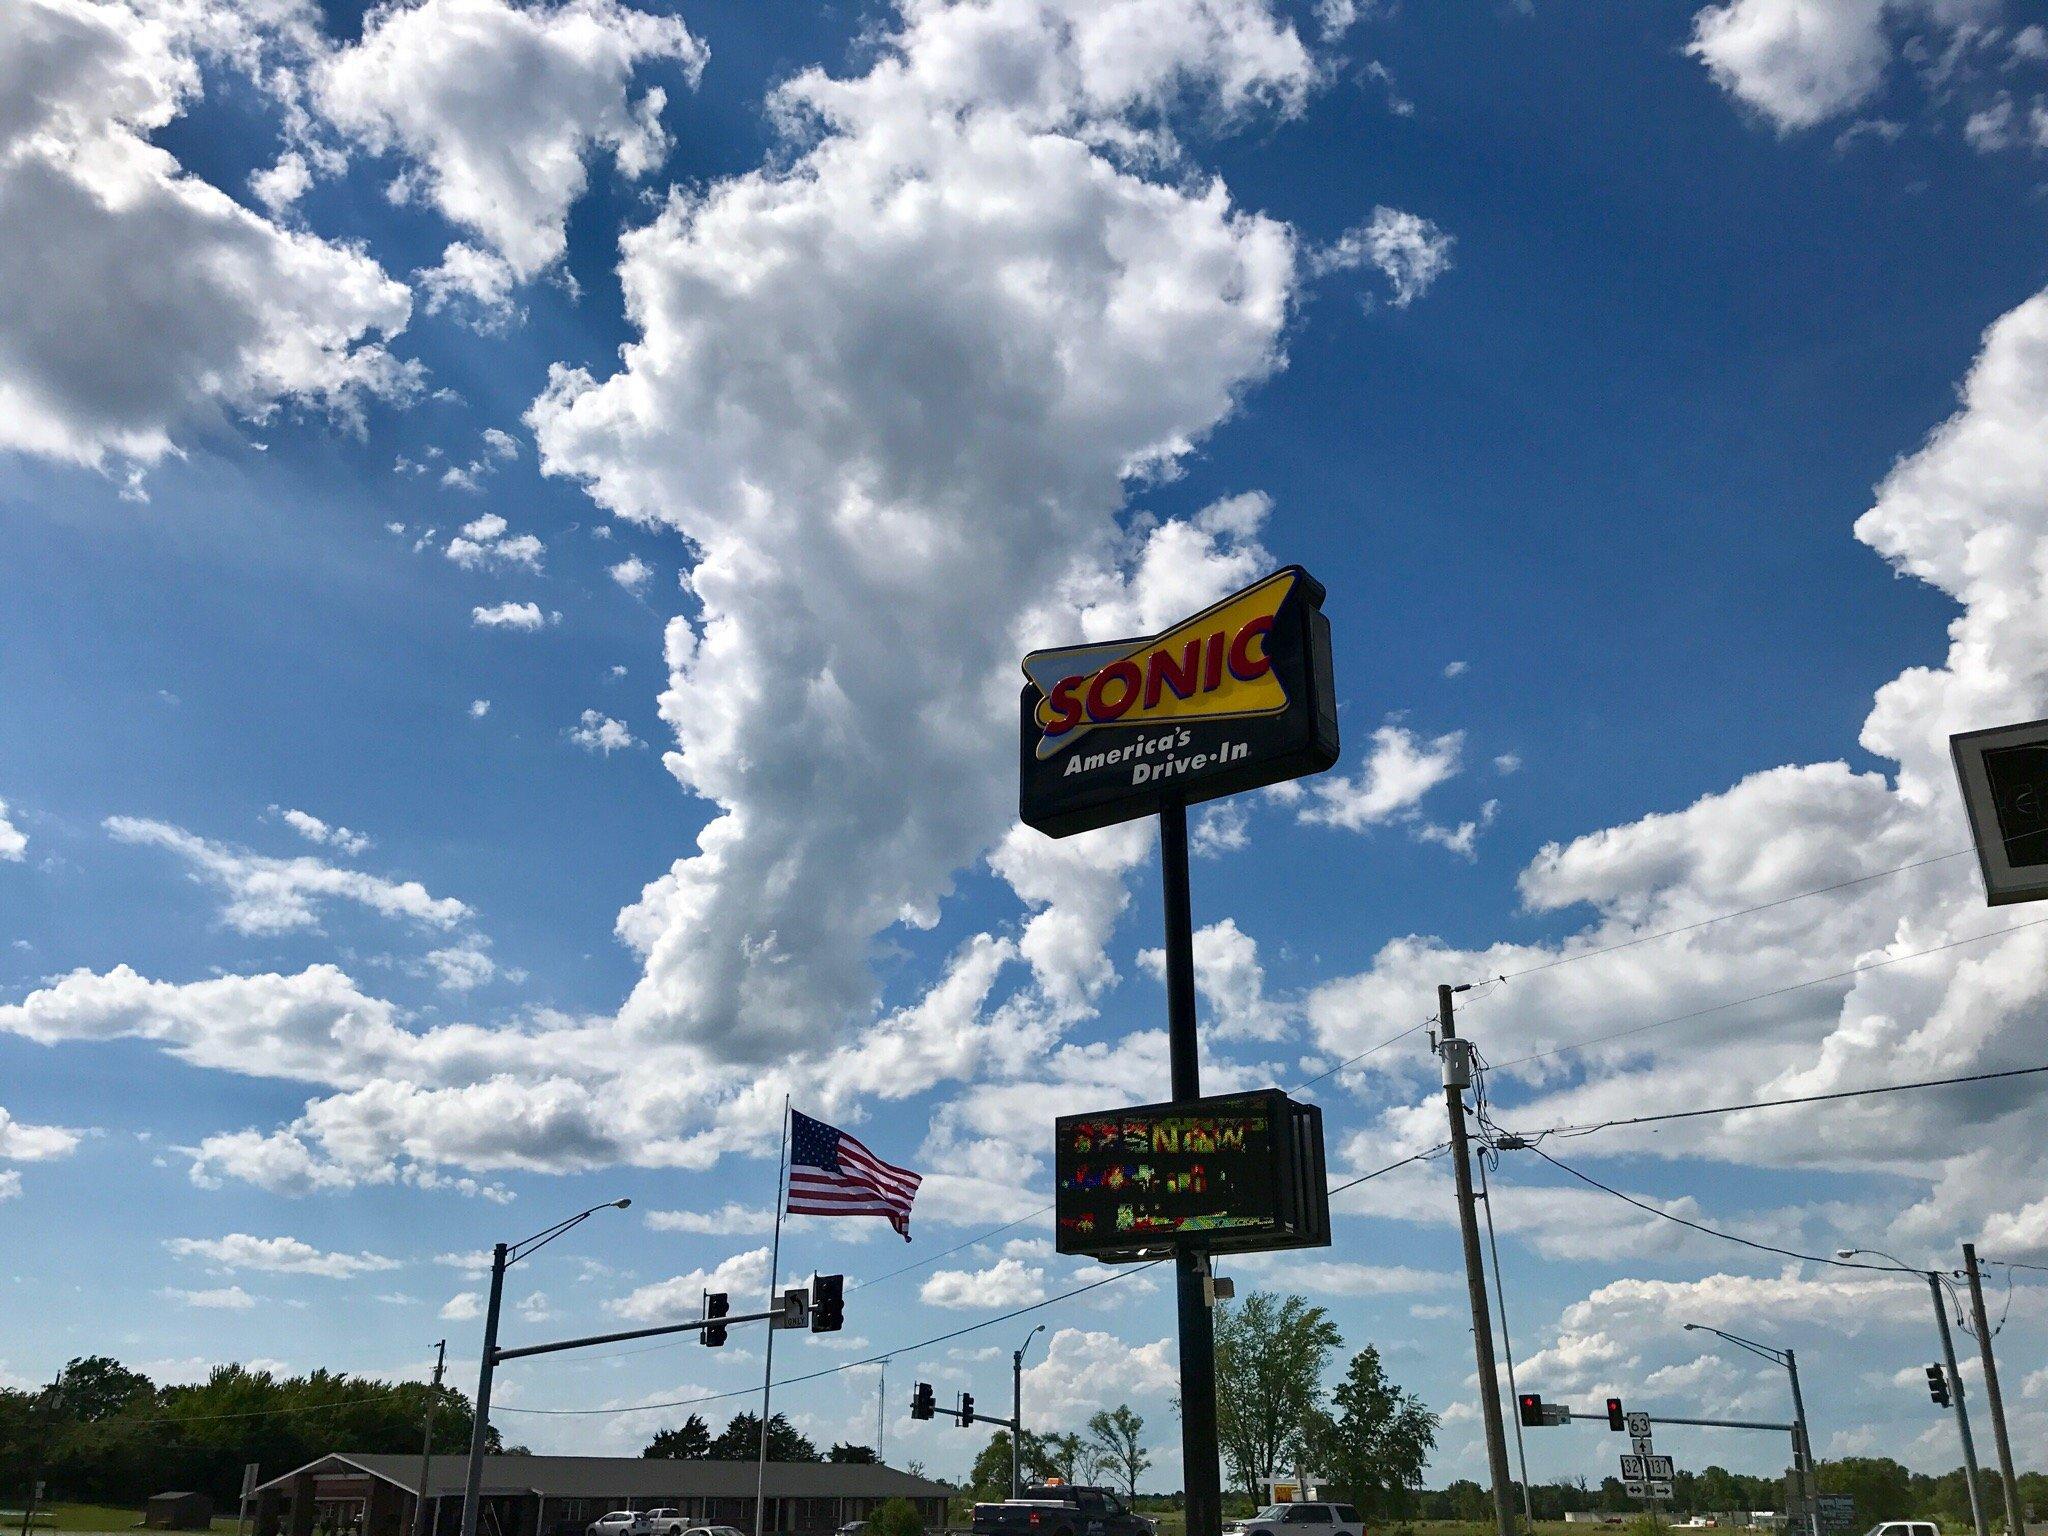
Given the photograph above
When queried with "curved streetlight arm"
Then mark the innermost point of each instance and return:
(1775, 1356)
(540, 1240)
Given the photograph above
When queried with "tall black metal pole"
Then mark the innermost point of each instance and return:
(1962, 1409)
(1201, 1473)
(480, 1427)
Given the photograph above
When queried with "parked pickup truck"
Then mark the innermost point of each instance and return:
(1060, 1509)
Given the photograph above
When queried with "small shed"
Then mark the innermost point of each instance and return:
(178, 1512)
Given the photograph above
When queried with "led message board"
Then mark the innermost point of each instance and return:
(1236, 697)
(1237, 1173)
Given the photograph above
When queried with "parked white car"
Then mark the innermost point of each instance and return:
(1300, 1519)
(660, 1522)
(618, 1523)
(1905, 1528)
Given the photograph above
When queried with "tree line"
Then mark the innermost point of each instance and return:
(102, 1433)
(740, 1440)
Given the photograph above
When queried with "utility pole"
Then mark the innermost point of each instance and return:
(419, 1505)
(1202, 1473)
(1457, 1062)
(1955, 1382)
(881, 1405)
(480, 1427)
(2014, 1511)
(51, 1394)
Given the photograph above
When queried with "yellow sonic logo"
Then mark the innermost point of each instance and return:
(1210, 667)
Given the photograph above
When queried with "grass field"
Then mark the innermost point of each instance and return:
(82, 1517)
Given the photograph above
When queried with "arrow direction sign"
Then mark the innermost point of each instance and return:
(1636, 1488)
(1659, 1489)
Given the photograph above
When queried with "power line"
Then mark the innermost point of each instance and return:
(1369, 1050)
(1708, 922)
(1805, 1098)
(1757, 997)
(1641, 1205)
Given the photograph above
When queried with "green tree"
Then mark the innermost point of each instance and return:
(1271, 1353)
(741, 1440)
(1065, 1456)
(896, 1517)
(1882, 1489)
(688, 1441)
(1117, 1436)
(1378, 1439)
(990, 1476)
(852, 1455)
(95, 1388)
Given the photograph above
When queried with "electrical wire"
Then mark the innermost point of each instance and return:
(1368, 1051)
(1805, 1098)
(1641, 1205)
(1708, 922)
(1757, 997)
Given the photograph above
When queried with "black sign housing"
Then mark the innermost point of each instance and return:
(1236, 1173)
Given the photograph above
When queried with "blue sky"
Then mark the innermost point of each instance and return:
(348, 931)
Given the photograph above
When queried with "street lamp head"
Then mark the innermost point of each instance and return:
(1692, 1327)
(1847, 1253)
(622, 1204)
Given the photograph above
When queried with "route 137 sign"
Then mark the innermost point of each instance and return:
(1234, 698)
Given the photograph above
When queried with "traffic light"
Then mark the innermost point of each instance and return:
(828, 1303)
(715, 1306)
(966, 1409)
(921, 1406)
(1615, 1419)
(1937, 1385)
(1532, 1410)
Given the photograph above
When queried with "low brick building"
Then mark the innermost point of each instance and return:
(351, 1494)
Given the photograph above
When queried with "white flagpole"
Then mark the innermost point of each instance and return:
(768, 1353)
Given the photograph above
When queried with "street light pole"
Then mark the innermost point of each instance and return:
(1955, 1376)
(503, 1257)
(1017, 1413)
(1809, 1475)
(1802, 1442)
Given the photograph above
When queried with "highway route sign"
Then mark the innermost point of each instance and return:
(1639, 1425)
(1659, 1468)
(1631, 1469)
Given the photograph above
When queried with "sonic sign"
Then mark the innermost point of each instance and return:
(1237, 697)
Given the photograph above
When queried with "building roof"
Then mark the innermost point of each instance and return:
(632, 1477)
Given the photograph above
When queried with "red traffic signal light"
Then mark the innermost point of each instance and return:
(1615, 1418)
(1532, 1410)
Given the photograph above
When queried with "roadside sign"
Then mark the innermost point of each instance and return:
(1659, 1467)
(1659, 1489)
(1631, 1469)
(1233, 698)
(1639, 1425)
(1640, 1444)
(2003, 773)
(1636, 1488)
(1837, 1512)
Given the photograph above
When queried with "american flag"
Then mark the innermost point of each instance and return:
(831, 1174)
